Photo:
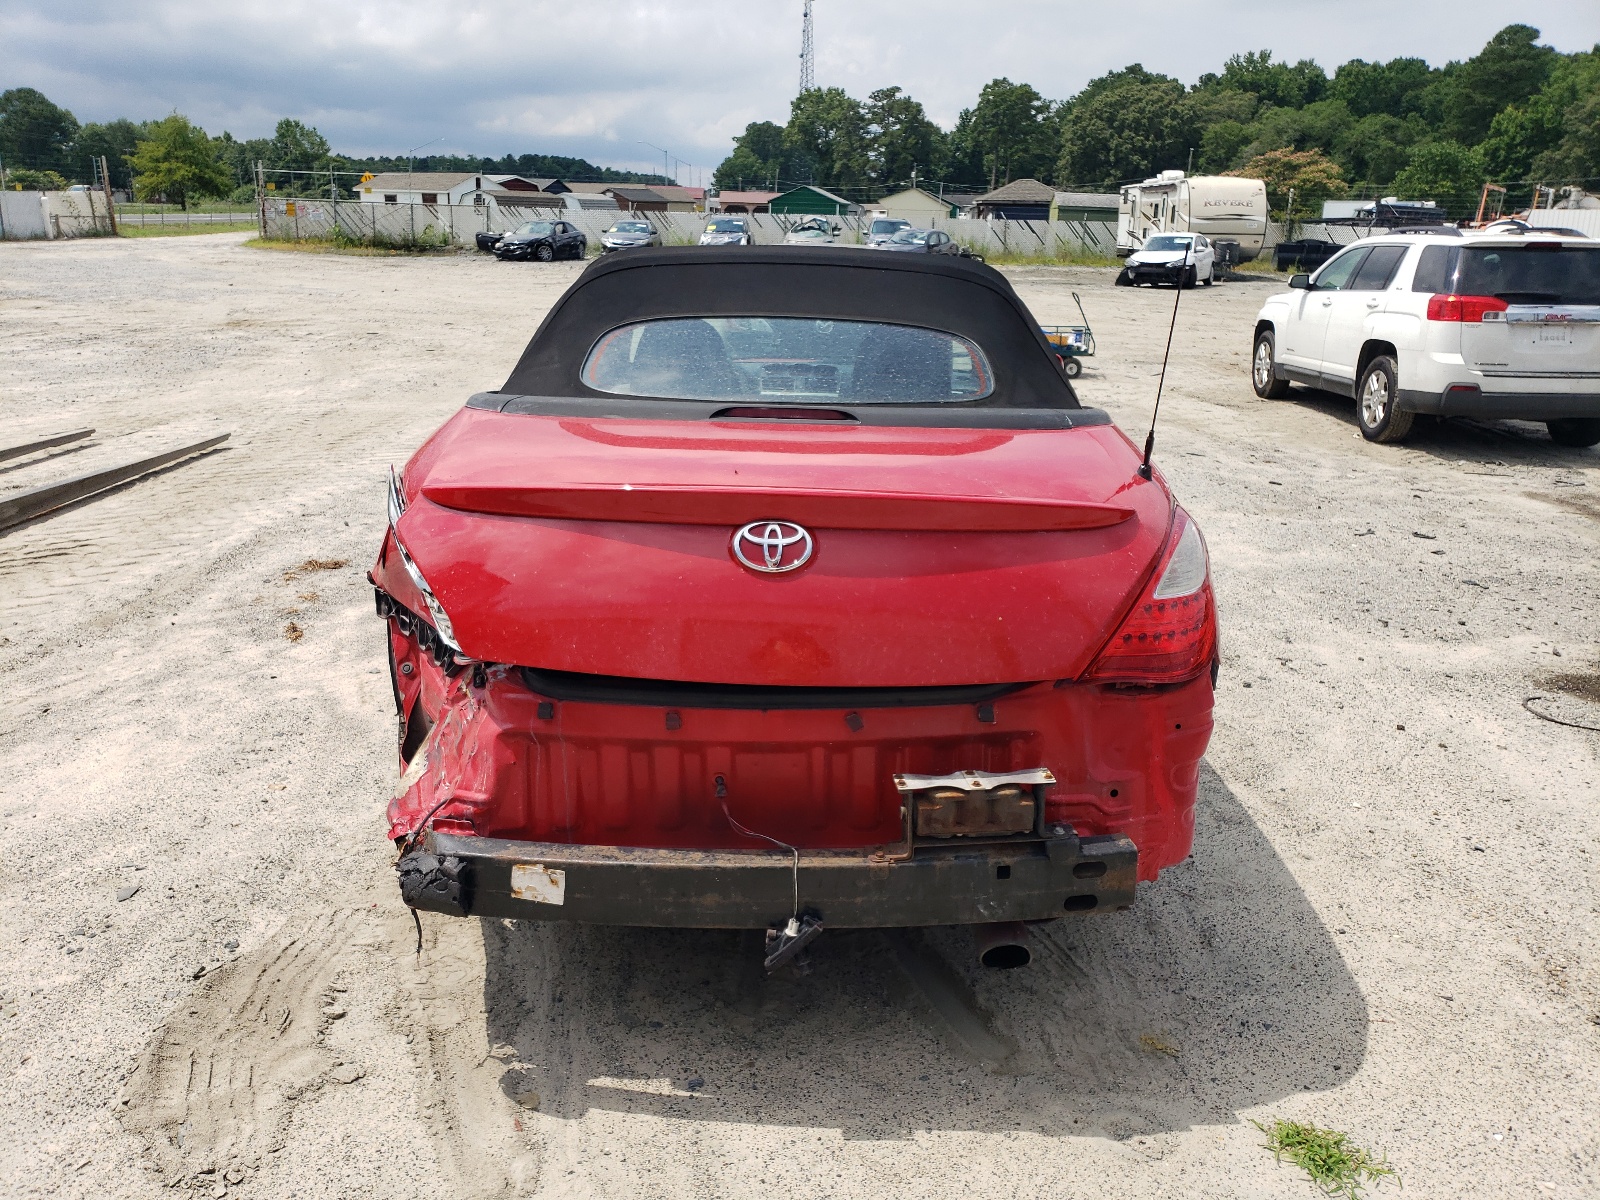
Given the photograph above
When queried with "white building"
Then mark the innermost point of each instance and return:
(451, 187)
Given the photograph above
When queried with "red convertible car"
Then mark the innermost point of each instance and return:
(780, 588)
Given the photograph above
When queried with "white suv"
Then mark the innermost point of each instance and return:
(1503, 323)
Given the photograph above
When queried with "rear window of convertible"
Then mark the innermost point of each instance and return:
(797, 358)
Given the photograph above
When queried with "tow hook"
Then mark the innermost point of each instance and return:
(433, 883)
(789, 944)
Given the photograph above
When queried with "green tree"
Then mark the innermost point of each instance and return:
(1125, 132)
(1507, 71)
(829, 129)
(240, 158)
(1577, 158)
(298, 147)
(176, 159)
(744, 170)
(1376, 148)
(1393, 88)
(1222, 146)
(1317, 126)
(1275, 83)
(902, 140)
(1561, 120)
(34, 132)
(26, 179)
(1310, 174)
(1212, 105)
(113, 141)
(1518, 135)
(1444, 171)
(1011, 133)
(763, 157)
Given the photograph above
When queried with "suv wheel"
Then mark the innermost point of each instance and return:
(1381, 420)
(544, 253)
(1574, 431)
(1262, 376)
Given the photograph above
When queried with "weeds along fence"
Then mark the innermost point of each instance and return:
(425, 226)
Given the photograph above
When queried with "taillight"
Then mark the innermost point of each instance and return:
(1171, 633)
(1446, 307)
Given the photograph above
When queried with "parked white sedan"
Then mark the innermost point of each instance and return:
(1170, 257)
(813, 231)
(1504, 323)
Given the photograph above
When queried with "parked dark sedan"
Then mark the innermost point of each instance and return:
(541, 240)
(925, 241)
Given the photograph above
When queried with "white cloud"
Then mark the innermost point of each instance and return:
(590, 78)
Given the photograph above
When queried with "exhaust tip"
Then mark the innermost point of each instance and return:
(1003, 946)
(1006, 957)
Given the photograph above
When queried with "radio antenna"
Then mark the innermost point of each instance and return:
(1150, 438)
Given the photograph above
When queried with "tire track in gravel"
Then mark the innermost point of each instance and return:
(218, 1083)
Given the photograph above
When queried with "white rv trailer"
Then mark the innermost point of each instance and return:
(1225, 209)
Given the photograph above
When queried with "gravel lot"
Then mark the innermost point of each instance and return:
(1389, 924)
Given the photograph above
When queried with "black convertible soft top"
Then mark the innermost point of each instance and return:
(936, 292)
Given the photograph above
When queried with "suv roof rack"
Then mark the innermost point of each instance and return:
(1442, 230)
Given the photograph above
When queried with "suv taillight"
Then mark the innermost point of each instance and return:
(1170, 635)
(1447, 307)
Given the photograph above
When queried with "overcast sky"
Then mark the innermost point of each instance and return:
(595, 78)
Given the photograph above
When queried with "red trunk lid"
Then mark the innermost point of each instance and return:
(942, 556)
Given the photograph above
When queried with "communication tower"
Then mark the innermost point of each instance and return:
(808, 58)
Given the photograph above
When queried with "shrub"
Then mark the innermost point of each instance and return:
(25, 180)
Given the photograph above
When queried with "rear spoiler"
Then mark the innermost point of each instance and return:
(670, 505)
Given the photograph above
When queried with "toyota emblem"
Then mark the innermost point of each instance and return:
(772, 547)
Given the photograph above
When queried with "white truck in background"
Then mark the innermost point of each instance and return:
(1231, 212)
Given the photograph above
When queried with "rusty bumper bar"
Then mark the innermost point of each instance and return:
(732, 889)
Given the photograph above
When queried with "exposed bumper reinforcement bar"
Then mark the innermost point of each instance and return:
(754, 889)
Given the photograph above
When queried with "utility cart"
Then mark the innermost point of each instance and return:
(1071, 342)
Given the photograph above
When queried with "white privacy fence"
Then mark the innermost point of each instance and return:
(458, 224)
(29, 215)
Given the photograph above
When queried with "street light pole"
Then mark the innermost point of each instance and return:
(411, 159)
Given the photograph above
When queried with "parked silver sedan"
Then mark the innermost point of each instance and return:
(629, 235)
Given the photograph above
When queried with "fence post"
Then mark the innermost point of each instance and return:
(111, 205)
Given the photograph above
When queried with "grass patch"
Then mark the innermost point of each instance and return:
(1068, 259)
(199, 206)
(1334, 1163)
(145, 231)
(1259, 266)
(330, 246)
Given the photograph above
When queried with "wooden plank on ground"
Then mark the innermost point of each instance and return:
(58, 439)
(35, 502)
